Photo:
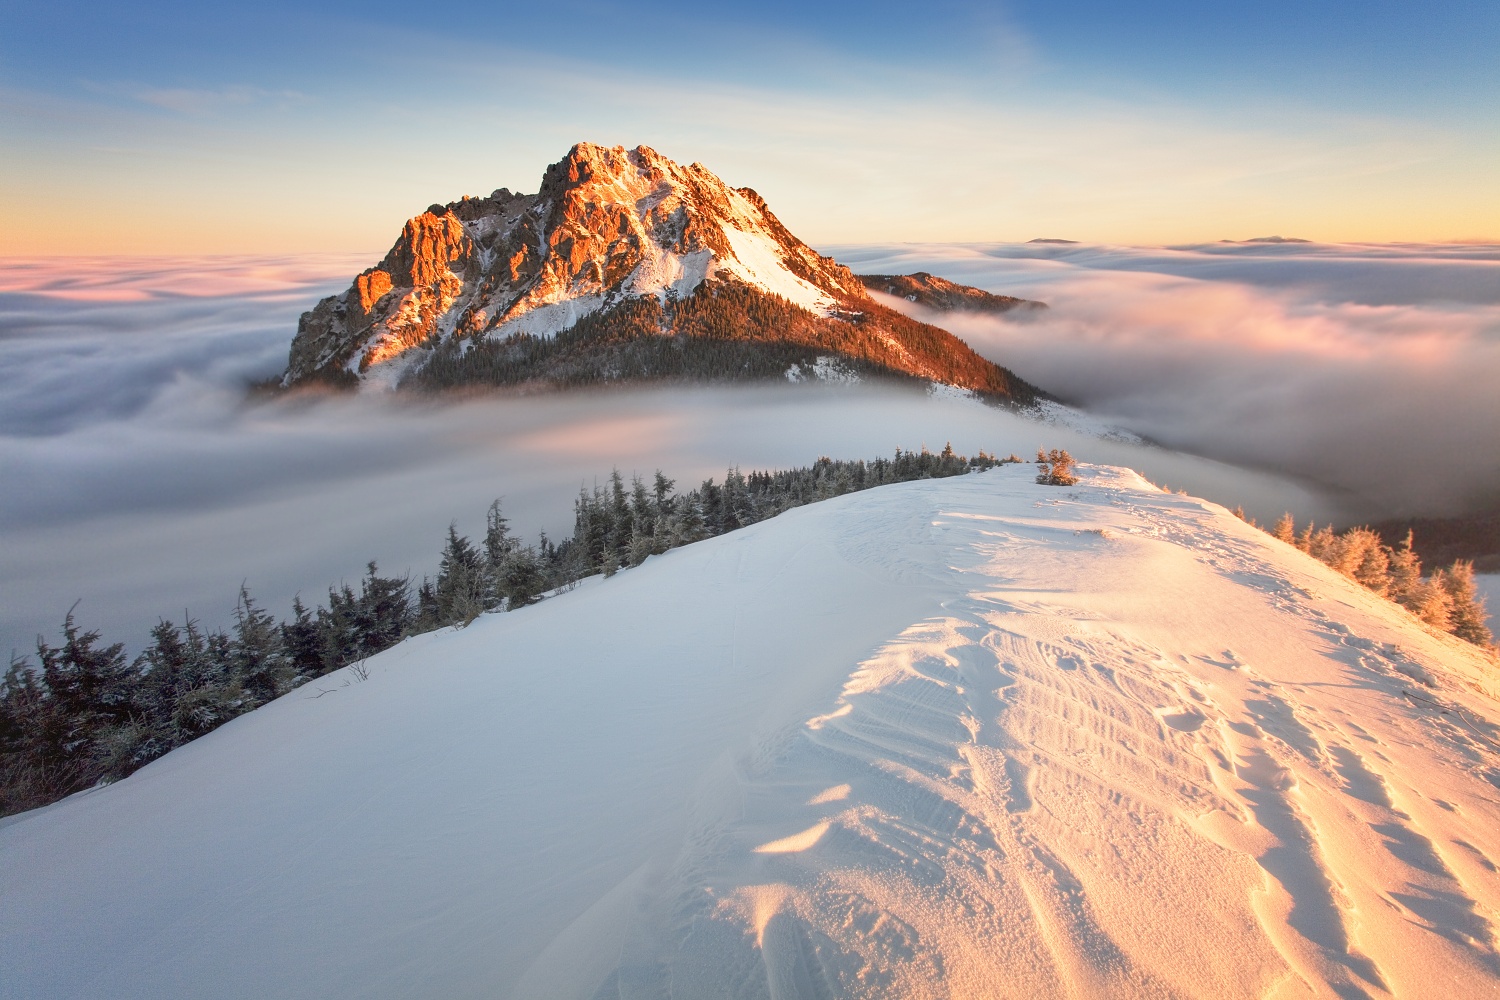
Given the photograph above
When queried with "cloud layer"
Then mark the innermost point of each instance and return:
(136, 478)
(1372, 371)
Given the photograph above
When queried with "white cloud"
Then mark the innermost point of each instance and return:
(1286, 358)
(206, 101)
(137, 480)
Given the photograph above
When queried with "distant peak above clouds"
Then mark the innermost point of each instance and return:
(629, 244)
(933, 292)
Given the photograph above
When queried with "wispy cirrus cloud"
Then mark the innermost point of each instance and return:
(818, 130)
(204, 101)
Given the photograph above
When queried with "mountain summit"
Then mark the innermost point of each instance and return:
(623, 265)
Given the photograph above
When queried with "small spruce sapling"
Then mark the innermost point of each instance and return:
(1285, 529)
(1055, 468)
(1467, 608)
(461, 582)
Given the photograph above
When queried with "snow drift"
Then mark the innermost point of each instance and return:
(957, 738)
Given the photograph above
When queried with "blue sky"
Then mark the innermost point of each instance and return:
(183, 128)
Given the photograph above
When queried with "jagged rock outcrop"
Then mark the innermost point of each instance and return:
(625, 252)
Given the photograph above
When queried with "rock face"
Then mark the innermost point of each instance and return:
(609, 233)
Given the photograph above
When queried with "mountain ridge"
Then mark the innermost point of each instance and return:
(925, 289)
(915, 741)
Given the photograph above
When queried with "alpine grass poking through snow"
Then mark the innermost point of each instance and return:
(91, 714)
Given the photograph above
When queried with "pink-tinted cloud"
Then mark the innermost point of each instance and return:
(141, 279)
(1394, 406)
(136, 479)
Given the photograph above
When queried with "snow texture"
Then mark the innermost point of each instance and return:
(669, 275)
(385, 376)
(550, 318)
(825, 368)
(758, 261)
(952, 393)
(1062, 415)
(971, 737)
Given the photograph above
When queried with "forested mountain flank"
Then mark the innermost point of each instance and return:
(724, 331)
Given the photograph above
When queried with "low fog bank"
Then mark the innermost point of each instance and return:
(151, 517)
(1369, 370)
(1364, 273)
(136, 479)
(84, 340)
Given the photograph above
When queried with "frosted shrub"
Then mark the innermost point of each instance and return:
(1055, 468)
(1467, 617)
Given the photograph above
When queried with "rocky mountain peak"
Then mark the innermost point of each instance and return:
(627, 245)
(606, 224)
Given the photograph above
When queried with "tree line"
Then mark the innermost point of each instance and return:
(85, 712)
(723, 331)
(1447, 599)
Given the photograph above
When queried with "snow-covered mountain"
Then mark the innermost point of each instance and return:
(968, 737)
(612, 232)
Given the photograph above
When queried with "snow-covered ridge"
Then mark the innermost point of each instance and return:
(1062, 415)
(955, 737)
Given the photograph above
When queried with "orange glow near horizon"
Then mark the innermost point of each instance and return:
(806, 214)
(1135, 177)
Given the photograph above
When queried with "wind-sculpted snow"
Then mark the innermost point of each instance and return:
(958, 738)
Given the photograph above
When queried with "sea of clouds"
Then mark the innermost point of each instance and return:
(1372, 371)
(137, 479)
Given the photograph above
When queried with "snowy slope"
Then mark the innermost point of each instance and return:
(958, 738)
